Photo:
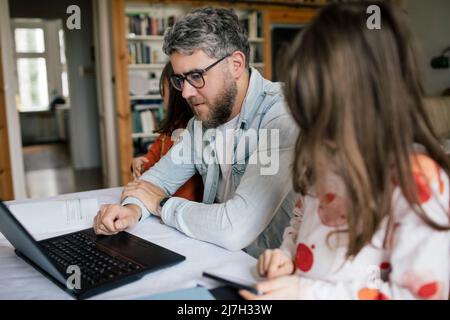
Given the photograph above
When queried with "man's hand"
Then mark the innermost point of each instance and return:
(112, 218)
(284, 288)
(149, 194)
(274, 263)
(137, 166)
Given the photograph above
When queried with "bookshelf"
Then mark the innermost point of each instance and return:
(145, 25)
(252, 21)
(139, 27)
(144, 29)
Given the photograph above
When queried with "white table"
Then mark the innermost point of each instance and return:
(18, 280)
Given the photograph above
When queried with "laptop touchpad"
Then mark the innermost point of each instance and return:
(134, 248)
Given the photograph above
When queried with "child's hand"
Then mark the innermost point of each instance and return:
(138, 165)
(284, 288)
(274, 263)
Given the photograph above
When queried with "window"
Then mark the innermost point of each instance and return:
(40, 63)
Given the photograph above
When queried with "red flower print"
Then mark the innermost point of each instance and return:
(382, 296)
(371, 294)
(423, 284)
(304, 258)
(428, 290)
(422, 187)
(332, 210)
(329, 198)
(425, 171)
(385, 266)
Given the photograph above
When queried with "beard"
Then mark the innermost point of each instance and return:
(219, 111)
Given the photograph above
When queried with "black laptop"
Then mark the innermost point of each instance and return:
(84, 264)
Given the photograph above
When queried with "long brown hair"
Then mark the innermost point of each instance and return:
(178, 110)
(359, 90)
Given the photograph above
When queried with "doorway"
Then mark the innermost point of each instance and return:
(282, 36)
(56, 98)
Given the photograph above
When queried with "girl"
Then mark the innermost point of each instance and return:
(178, 115)
(372, 221)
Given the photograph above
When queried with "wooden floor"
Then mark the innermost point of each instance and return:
(49, 172)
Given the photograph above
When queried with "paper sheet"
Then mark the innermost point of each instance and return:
(57, 215)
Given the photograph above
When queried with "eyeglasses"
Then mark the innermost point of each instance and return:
(195, 77)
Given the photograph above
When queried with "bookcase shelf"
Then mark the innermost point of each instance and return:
(144, 135)
(145, 97)
(146, 66)
(133, 37)
(255, 40)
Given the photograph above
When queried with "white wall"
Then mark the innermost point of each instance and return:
(431, 24)
(106, 105)
(84, 127)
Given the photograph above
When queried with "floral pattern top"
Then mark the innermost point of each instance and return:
(414, 263)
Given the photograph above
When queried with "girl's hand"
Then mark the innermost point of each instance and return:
(274, 263)
(149, 194)
(138, 166)
(284, 288)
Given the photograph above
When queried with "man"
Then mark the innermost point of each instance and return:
(240, 120)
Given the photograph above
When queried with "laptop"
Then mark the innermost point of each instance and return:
(84, 264)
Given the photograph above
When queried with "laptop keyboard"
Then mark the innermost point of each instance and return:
(96, 266)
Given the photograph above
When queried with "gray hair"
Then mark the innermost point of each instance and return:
(215, 31)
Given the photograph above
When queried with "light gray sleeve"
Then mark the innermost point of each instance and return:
(237, 222)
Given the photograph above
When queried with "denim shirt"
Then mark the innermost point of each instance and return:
(254, 217)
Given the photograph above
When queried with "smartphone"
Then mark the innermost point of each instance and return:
(234, 282)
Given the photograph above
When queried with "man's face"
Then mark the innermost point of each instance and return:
(213, 103)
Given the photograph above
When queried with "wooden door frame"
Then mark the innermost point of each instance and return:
(6, 185)
(121, 90)
(15, 180)
(281, 16)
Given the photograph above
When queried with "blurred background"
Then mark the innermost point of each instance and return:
(79, 80)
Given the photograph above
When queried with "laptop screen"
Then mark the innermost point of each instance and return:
(19, 237)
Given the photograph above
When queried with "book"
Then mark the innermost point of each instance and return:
(148, 121)
(137, 125)
(149, 106)
(158, 55)
(143, 83)
(253, 24)
(45, 217)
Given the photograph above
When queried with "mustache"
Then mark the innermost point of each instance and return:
(192, 101)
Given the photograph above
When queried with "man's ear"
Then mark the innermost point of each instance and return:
(237, 64)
